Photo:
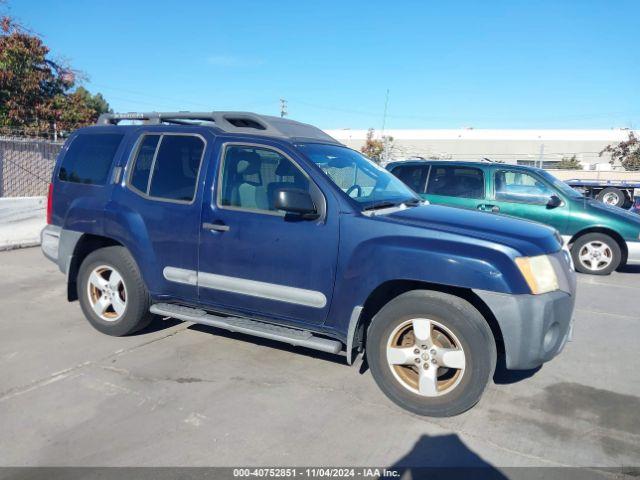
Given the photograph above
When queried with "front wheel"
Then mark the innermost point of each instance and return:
(431, 353)
(596, 253)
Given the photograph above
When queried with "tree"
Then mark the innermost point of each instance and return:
(37, 93)
(375, 148)
(569, 163)
(626, 152)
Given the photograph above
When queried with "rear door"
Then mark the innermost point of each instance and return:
(456, 186)
(524, 194)
(158, 210)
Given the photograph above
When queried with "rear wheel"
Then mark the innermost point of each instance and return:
(612, 196)
(112, 294)
(431, 353)
(596, 253)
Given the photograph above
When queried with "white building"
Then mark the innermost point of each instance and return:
(524, 147)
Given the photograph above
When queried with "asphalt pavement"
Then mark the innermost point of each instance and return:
(180, 394)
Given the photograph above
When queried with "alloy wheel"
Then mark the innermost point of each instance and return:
(107, 293)
(595, 255)
(426, 357)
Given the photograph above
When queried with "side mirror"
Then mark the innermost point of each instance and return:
(297, 202)
(554, 201)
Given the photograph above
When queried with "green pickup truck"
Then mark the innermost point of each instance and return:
(601, 237)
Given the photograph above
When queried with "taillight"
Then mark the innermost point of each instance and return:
(50, 204)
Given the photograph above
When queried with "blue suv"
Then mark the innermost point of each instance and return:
(270, 227)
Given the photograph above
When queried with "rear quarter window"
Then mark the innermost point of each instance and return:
(89, 158)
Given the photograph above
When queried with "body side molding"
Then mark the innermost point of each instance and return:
(271, 291)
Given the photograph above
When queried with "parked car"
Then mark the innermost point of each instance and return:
(270, 227)
(601, 237)
(635, 208)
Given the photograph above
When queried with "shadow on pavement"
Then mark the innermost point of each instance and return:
(502, 376)
(265, 342)
(443, 456)
(630, 269)
(156, 325)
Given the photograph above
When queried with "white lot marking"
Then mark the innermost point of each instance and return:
(195, 419)
(9, 356)
(54, 377)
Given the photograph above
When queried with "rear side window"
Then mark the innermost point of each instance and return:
(454, 181)
(144, 159)
(89, 158)
(412, 175)
(167, 166)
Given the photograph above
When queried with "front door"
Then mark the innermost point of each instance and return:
(254, 259)
(524, 194)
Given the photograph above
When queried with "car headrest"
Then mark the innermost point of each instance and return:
(247, 163)
(286, 169)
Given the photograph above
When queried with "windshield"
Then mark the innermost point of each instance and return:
(560, 185)
(357, 176)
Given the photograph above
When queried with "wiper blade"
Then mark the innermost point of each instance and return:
(379, 205)
(388, 204)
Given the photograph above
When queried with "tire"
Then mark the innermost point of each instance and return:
(612, 196)
(455, 324)
(584, 251)
(128, 310)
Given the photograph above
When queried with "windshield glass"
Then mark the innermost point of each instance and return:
(357, 176)
(560, 185)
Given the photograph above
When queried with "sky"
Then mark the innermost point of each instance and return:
(445, 64)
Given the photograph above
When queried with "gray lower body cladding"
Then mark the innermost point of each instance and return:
(633, 253)
(535, 328)
(58, 245)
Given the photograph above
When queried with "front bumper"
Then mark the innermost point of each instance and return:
(633, 253)
(535, 328)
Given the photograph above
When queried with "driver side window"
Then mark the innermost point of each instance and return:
(251, 176)
(519, 186)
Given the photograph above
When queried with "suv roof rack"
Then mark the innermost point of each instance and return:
(230, 122)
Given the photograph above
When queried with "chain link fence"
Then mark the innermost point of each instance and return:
(26, 165)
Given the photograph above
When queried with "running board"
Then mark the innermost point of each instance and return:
(292, 336)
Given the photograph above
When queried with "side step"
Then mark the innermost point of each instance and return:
(292, 336)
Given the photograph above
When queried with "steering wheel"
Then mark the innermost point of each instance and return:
(354, 187)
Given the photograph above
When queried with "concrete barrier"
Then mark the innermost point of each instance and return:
(21, 220)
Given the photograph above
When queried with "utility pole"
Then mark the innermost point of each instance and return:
(283, 108)
(385, 152)
(541, 155)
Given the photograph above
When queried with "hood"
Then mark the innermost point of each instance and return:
(528, 238)
(614, 212)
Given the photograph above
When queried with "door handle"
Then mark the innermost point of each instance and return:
(218, 227)
(489, 208)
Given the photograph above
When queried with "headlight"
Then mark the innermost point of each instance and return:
(539, 273)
